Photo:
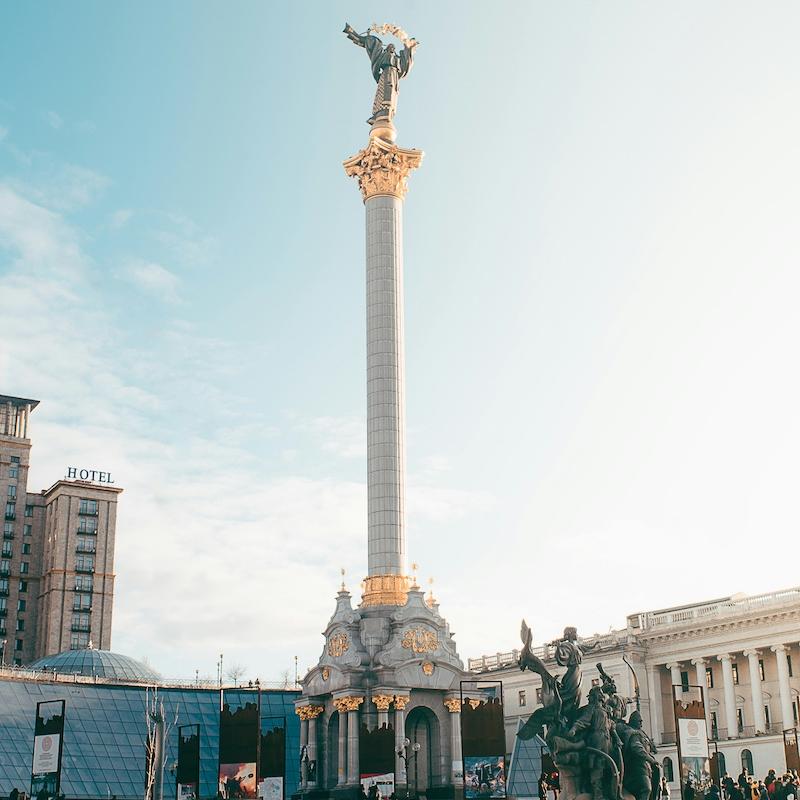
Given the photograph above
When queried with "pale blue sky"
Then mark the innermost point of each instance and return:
(601, 288)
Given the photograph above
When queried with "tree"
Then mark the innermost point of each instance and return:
(235, 673)
(157, 734)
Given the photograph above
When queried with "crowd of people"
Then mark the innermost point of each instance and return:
(771, 787)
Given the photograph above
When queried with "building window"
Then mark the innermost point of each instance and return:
(3, 604)
(23, 586)
(740, 719)
(84, 563)
(789, 663)
(761, 669)
(5, 569)
(714, 728)
(86, 545)
(27, 530)
(735, 670)
(795, 704)
(539, 696)
(7, 551)
(81, 602)
(12, 491)
(11, 511)
(88, 507)
(18, 645)
(668, 774)
(26, 549)
(87, 525)
(24, 568)
(28, 511)
(80, 622)
(766, 715)
(20, 624)
(747, 761)
(13, 470)
(709, 678)
(21, 605)
(522, 698)
(84, 583)
(4, 586)
(78, 641)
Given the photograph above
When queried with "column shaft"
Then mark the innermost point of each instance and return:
(399, 736)
(383, 718)
(783, 685)
(656, 704)
(341, 773)
(312, 751)
(455, 733)
(303, 743)
(700, 680)
(755, 690)
(352, 747)
(730, 696)
(385, 387)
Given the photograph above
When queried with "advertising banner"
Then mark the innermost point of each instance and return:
(790, 749)
(384, 783)
(48, 739)
(272, 763)
(483, 739)
(239, 744)
(694, 758)
(187, 777)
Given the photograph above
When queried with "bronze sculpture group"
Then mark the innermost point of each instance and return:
(597, 751)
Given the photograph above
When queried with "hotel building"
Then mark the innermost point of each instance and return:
(57, 558)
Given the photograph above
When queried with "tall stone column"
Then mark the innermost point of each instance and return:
(656, 704)
(303, 743)
(755, 690)
(382, 170)
(453, 705)
(675, 675)
(382, 703)
(313, 713)
(400, 703)
(700, 680)
(353, 775)
(784, 688)
(342, 706)
(730, 695)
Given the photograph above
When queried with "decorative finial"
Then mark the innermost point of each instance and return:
(414, 568)
(431, 598)
(343, 588)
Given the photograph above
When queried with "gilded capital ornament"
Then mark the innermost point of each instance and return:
(309, 712)
(382, 701)
(345, 704)
(383, 168)
(452, 704)
(401, 701)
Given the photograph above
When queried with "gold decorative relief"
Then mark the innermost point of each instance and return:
(420, 640)
(427, 667)
(401, 701)
(326, 673)
(452, 704)
(338, 645)
(309, 712)
(385, 590)
(345, 704)
(383, 168)
(382, 701)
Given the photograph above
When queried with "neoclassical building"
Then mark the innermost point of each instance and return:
(743, 650)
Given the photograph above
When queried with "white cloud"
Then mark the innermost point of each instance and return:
(62, 187)
(342, 436)
(53, 119)
(153, 279)
(3, 133)
(120, 218)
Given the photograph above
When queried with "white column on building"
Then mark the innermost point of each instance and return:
(675, 676)
(400, 703)
(303, 743)
(755, 690)
(729, 693)
(656, 703)
(341, 764)
(315, 711)
(784, 687)
(353, 775)
(453, 705)
(700, 680)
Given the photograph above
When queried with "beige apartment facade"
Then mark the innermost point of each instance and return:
(743, 650)
(57, 558)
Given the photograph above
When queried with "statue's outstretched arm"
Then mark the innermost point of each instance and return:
(353, 35)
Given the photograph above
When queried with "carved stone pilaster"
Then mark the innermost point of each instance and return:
(383, 168)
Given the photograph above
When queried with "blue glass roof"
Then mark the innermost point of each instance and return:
(100, 663)
(526, 766)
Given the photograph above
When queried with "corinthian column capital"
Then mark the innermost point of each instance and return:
(383, 168)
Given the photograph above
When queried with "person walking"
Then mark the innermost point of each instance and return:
(663, 789)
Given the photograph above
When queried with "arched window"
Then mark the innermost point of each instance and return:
(747, 761)
(668, 774)
(723, 769)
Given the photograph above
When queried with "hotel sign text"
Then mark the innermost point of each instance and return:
(89, 475)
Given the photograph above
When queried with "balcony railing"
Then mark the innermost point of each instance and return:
(7, 554)
(86, 548)
(81, 628)
(82, 532)
(86, 512)
(86, 569)
(82, 589)
(11, 514)
(8, 534)
(87, 609)
(5, 571)
(3, 612)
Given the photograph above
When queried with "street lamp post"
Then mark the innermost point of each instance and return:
(402, 752)
(3, 644)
